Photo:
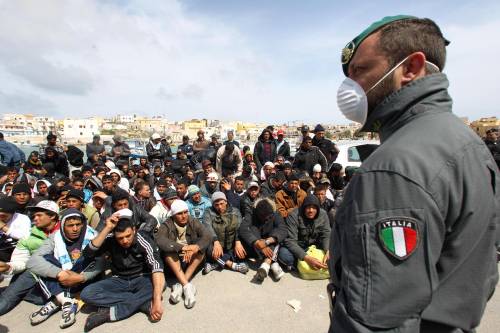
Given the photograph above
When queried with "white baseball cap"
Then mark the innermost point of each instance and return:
(47, 205)
(212, 177)
(155, 136)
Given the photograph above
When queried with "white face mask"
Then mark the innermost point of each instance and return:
(352, 100)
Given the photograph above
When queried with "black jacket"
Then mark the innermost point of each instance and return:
(327, 147)
(252, 229)
(259, 154)
(142, 257)
(494, 148)
(284, 150)
(246, 205)
(306, 159)
(157, 154)
(143, 220)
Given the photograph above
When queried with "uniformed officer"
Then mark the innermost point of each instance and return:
(413, 245)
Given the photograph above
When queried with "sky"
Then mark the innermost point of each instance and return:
(265, 61)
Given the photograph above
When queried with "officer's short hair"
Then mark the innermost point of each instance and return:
(401, 38)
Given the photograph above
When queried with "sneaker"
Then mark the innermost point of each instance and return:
(44, 313)
(176, 294)
(189, 293)
(68, 317)
(262, 271)
(97, 319)
(208, 268)
(277, 271)
(241, 267)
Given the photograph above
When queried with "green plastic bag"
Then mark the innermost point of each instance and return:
(308, 273)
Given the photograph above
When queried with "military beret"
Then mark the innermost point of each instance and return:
(350, 49)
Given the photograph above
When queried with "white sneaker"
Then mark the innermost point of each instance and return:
(263, 271)
(44, 313)
(68, 317)
(189, 293)
(277, 271)
(176, 294)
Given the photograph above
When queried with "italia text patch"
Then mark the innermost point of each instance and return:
(399, 236)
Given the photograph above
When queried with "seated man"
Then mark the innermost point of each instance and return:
(75, 199)
(290, 197)
(46, 222)
(224, 221)
(307, 225)
(13, 227)
(197, 203)
(60, 269)
(161, 211)
(120, 199)
(183, 240)
(137, 280)
(262, 232)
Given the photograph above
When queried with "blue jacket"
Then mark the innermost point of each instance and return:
(10, 154)
(197, 210)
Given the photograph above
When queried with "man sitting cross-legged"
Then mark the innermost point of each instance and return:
(183, 240)
(137, 282)
(261, 233)
(60, 268)
(226, 249)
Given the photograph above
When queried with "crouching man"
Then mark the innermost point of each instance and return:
(60, 268)
(262, 232)
(183, 240)
(307, 225)
(224, 221)
(137, 280)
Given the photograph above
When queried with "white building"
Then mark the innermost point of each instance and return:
(79, 130)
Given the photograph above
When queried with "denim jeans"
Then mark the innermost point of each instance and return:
(123, 296)
(22, 286)
(286, 257)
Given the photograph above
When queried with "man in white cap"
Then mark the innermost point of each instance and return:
(156, 150)
(211, 184)
(224, 222)
(45, 221)
(183, 240)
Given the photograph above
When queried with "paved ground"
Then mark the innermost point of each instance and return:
(230, 302)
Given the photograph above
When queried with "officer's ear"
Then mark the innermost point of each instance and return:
(413, 68)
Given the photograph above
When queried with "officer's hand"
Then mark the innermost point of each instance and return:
(314, 263)
(217, 252)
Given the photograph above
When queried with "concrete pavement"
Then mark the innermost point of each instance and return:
(229, 302)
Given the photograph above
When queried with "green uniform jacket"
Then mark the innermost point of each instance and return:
(433, 174)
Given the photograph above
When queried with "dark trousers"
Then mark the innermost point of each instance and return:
(22, 286)
(228, 255)
(123, 296)
(51, 287)
(5, 253)
(286, 257)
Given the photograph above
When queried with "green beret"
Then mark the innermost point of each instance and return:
(351, 47)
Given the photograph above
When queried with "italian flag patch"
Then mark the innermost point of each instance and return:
(399, 236)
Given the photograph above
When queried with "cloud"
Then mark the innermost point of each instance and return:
(19, 102)
(161, 57)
